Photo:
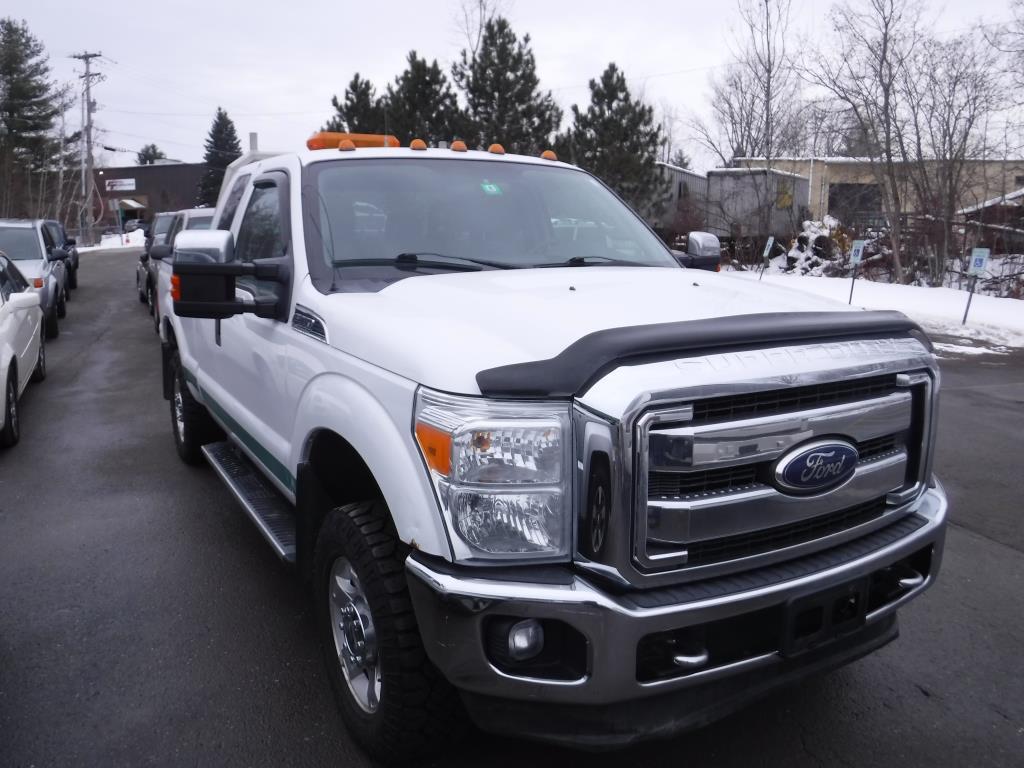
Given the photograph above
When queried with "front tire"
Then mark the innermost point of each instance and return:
(149, 298)
(62, 304)
(11, 432)
(395, 703)
(192, 425)
(52, 325)
(39, 372)
(73, 279)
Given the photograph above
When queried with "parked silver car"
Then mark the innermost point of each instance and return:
(28, 243)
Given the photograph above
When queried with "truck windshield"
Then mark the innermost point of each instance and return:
(20, 243)
(506, 213)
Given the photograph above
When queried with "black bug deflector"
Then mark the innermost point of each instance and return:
(580, 364)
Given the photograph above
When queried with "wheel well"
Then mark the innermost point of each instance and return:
(333, 474)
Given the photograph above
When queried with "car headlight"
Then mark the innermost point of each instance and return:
(502, 472)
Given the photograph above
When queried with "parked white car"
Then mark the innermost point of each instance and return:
(43, 263)
(22, 345)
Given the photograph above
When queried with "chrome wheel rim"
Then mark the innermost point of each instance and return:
(178, 410)
(355, 637)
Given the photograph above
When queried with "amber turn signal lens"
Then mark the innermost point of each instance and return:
(37, 282)
(436, 446)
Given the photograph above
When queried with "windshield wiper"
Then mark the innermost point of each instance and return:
(426, 260)
(594, 261)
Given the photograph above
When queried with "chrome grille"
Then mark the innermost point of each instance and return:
(734, 407)
(708, 498)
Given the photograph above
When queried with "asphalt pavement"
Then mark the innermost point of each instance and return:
(143, 621)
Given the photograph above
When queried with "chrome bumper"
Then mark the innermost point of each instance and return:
(452, 605)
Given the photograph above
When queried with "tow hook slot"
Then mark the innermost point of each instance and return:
(691, 660)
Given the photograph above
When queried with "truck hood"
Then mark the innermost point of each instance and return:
(441, 330)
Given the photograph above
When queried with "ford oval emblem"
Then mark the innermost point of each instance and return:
(816, 467)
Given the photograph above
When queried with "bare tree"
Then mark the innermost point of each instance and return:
(756, 100)
(860, 67)
(471, 18)
(1009, 39)
(950, 91)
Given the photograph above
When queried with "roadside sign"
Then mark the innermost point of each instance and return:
(979, 261)
(857, 251)
(768, 248)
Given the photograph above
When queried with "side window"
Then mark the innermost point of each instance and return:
(174, 229)
(15, 277)
(231, 204)
(54, 232)
(261, 235)
(48, 240)
(6, 286)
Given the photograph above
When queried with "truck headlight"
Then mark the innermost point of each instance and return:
(502, 473)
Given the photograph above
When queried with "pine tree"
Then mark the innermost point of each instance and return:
(422, 105)
(222, 147)
(149, 154)
(617, 140)
(501, 89)
(361, 111)
(29, 104)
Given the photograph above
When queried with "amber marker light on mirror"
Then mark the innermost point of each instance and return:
(176, 287)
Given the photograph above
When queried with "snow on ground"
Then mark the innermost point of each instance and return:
(134, 239)
(992, 321)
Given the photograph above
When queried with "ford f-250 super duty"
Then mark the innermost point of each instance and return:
(534, 470)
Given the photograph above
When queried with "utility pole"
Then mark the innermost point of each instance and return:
(88, 182)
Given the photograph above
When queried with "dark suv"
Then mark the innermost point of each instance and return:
(69, 244)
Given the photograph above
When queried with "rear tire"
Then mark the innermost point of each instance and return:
(73, 279)
(149, 297)
(52, 326)
(191, 423)
(363, 604)
(39, 372)
(11, 432)
(62, 304)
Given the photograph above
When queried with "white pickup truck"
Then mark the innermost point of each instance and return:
(534, 470)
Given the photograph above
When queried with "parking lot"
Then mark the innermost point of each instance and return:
(144, 621)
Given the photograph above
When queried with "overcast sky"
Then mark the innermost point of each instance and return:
(169, 65)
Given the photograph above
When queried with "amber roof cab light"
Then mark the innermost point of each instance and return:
(333, 140)
(496, 149)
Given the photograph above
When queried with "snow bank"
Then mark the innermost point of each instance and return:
(134, 239)
(939, 310)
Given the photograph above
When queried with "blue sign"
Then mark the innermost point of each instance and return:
(816, 467)
(979, 261)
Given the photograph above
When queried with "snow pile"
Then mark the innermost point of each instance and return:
(939, 310)
(134, 239)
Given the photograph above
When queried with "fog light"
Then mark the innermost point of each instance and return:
(525, 640)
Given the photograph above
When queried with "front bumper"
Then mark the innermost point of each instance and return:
(452, 606)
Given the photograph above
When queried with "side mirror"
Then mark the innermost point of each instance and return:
(58, 254)
(24, 300)
(160, 252)
(143, 257)
(684, 259)
(203, 281)
(71, 241)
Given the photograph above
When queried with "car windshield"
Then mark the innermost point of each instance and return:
(505, 213)
(199, 222)
(162, 224)
(20, 243)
